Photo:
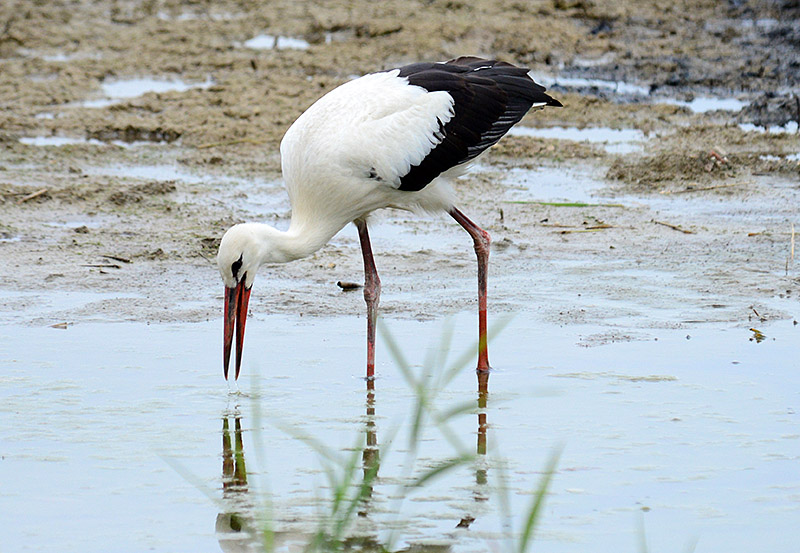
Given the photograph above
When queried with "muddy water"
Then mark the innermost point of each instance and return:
(692, 433)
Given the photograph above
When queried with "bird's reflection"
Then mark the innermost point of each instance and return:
(235, 526)
(370, 458)
(483, 399)
(234, 471)
(481, 492)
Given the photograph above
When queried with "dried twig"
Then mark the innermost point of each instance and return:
(102, 265)
(32, 196)
(115, 258)
(5, 34)
(556, 225)
(674, 227)
(200, 254)
(704, 188)
(593, 228)
(600, 226)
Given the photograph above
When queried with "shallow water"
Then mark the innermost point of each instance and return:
(58, 141)
(146, 172)
(617, 141)
(130, 88)
(699, 104)
(549, 184)
(115, 91)
(703, 104)
(692, 432)
(270, 42)
(771, 200)
(789, 128)
(619, 87)
(789, 157)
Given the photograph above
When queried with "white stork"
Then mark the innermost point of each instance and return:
(388, 139)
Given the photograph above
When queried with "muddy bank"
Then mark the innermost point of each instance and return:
(133, 135)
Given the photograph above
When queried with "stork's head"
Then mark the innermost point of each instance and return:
(239, 256)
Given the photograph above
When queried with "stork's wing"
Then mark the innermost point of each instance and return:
(400, 126)
(489, 98)
(376, 126)
(405, 127)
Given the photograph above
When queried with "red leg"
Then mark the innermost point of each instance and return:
(372, 294)
(481, 240)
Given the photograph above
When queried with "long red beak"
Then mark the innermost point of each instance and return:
(236, 300)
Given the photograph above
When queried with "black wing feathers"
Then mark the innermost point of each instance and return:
(489, 97)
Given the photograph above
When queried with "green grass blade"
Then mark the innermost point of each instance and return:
(642, 535)
(442, 468)
(397, 354)
(503, 498)
(192, 479)
(467, 407)
(463, 360)
(537, 503)
(445, 344)
(321, 449)
(691, 545)
(362, 493)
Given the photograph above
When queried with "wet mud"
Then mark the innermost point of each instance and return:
(142, 130)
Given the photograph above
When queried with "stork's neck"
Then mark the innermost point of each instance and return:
(301, 240)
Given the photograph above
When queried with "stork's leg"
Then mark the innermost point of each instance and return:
(481, 240)
(372, 294)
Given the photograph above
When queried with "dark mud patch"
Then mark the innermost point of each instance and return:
(772, 110)
(514, 148)
(759, 164)
(749, 46)
(208, 246)
(729, 137)
(131, 133)
(653, 170)
(142, 192)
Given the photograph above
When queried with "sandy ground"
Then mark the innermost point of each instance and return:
(700, 222)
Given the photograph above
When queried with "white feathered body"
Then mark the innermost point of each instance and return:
(343, 158)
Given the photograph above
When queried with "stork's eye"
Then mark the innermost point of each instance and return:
(236, 266)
